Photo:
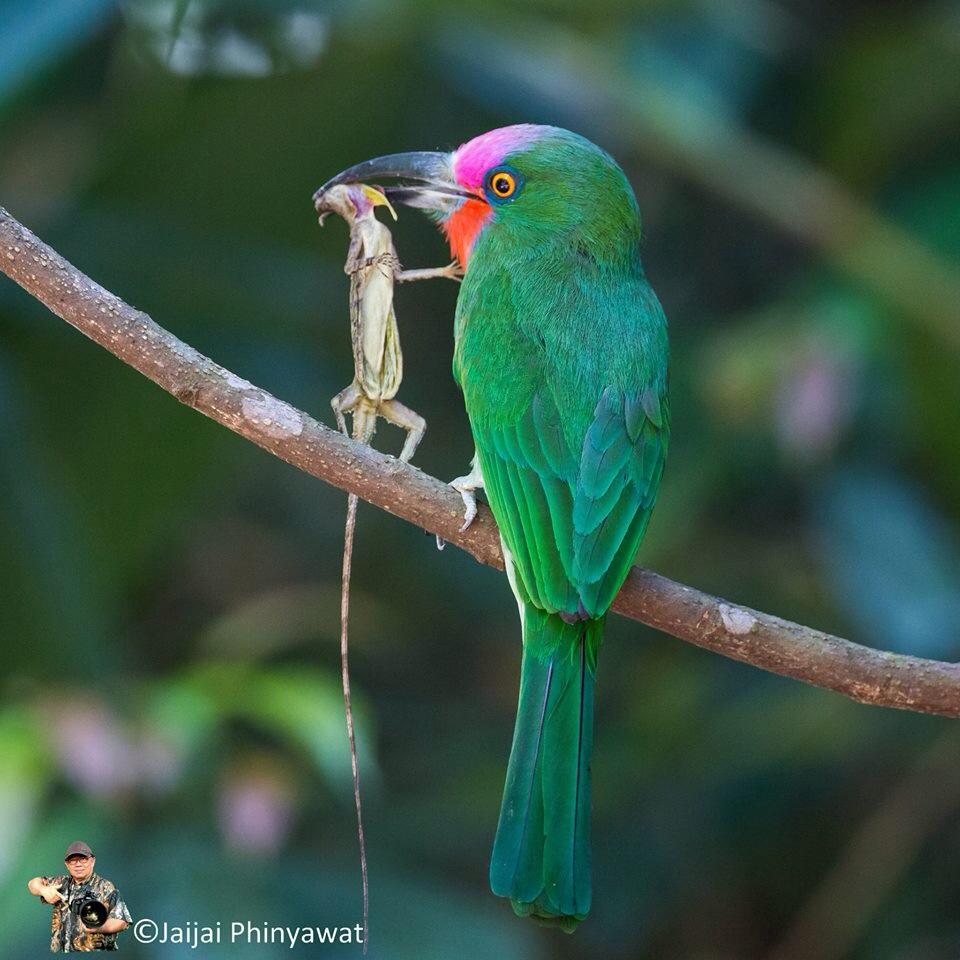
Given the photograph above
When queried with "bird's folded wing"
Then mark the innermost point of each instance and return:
(573, 517)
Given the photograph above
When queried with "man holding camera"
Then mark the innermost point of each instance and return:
(87, 910)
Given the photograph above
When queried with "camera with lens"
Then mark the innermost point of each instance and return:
(87, 907)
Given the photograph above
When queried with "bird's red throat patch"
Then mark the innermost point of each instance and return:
(464, 225)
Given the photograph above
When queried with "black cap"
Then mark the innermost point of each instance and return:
(77, 847)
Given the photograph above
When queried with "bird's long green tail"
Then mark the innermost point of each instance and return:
(541, 854)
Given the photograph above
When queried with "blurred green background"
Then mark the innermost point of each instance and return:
(169, 592)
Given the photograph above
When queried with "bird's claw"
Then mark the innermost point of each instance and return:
(465, 487)
(470, 511)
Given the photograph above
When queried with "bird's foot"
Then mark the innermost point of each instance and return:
(469, 501)
(466, 486)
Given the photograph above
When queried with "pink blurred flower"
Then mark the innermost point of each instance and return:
(256, 808)
(159, 764)
(91, 747)
(814, 402)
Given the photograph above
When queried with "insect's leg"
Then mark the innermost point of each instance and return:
(353, 253)
(364, 420)
(395, 412)
(345, 402)
(354, 264)
(389, 265)
(452, 271)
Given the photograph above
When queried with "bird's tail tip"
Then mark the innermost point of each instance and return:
(541, 853)
(545, 917)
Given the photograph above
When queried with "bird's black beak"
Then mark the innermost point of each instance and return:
(432, 188)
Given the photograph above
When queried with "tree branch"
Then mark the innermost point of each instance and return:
(788, 649)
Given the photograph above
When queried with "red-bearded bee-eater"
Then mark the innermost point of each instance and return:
(561, 354)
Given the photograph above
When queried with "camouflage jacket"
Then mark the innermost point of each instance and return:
(66, 932)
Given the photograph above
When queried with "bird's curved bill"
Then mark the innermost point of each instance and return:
(426, 180)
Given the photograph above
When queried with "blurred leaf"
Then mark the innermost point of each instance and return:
(893, 565)
(277, 620)
(37, 32)
(229, 38)
(715, 55)
(931, 205)
(300, 706)
(887, 90)
(41, 545)
(179, 710)
(24, 769)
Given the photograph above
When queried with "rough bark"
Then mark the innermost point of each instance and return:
(789, 649)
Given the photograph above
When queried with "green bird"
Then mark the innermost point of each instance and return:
(561, 353)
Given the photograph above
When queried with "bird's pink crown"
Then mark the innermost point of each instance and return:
(474, 158)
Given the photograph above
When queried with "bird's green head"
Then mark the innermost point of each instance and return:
(518, 190)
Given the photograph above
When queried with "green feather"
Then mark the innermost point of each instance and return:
(541, 854)
(589, 512)
(561, 353)
(595, 552)
(633, 415)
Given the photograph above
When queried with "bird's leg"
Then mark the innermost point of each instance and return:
(466, 486)
(395, 412)
(345, 402)
(452, 271)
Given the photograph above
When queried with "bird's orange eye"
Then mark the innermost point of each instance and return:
(503, 184)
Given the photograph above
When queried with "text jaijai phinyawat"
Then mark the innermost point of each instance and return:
(192, 933)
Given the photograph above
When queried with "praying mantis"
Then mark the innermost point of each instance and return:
(374, 268)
